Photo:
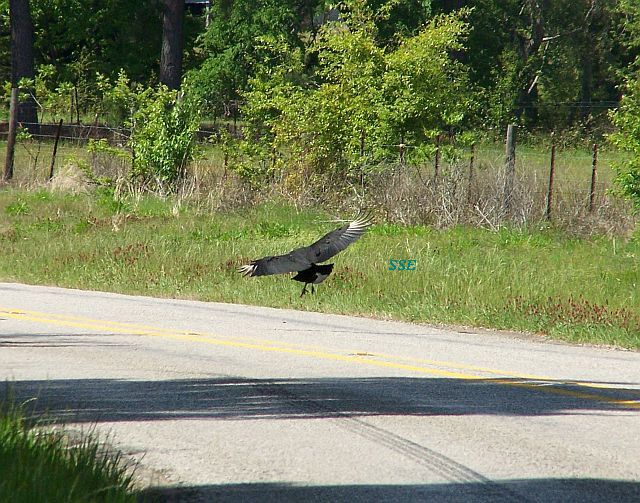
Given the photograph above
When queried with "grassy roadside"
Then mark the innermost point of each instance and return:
(538, 280)
(41, 464)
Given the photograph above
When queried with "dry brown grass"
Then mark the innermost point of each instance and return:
(406, 193)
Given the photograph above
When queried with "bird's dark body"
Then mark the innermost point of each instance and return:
(304, 261)
(315, 274)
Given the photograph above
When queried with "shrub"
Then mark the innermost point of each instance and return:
(627, 120)
(163, 134)
(363, 97)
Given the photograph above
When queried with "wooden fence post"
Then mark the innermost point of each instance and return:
(510, 167)
(594, 170)
(552, 170)
(436, 163)
(11, 135)
(362, 137)
(401, 147)
(55, 150)
(75, 93)
(472, 161)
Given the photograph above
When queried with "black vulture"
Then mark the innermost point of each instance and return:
(305, 261)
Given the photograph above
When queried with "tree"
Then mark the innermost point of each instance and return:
(81, 38)
(627, 120)
(230, 49)
(627, 117)
(361, 92)
(627, 35)
(544, 62)
(22, 59)
(172, 43)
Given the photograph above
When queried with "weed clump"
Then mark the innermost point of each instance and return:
(577, 311)
(39, 463)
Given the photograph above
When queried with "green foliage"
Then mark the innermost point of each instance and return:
(430, 89)
(362, 93)
(163, 133)
(531, 61)
(629, 30)
(80, 40)
(627, 120)
(535, 60)
(227, 48)
(162, 123)
(17, 208)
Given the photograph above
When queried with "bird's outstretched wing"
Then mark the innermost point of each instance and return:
(302, 258)
(336, 241)
(293, 261)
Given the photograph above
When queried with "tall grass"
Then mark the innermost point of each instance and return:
(466, 193)
(40, 463)
(537, 279)
(408, 193)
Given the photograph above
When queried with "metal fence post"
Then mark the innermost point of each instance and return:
(472, 161)
(55, 150)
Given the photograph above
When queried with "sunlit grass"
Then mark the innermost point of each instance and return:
(40, 463)
(524, 279)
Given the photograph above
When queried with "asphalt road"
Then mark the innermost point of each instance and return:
(222, 402)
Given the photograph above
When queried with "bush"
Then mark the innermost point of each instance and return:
(162, 123)
(163, 134)
(627, 120)
(364, 97)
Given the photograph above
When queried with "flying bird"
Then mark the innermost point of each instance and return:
(306, 261)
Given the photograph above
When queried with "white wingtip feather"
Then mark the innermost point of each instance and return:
(362, 222)
(247, 270)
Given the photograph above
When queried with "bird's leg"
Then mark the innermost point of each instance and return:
(312, 289)
(304, 290)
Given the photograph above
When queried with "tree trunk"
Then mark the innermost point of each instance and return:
(22, 60)
(586, 83)
(171, 56)
(529, 43)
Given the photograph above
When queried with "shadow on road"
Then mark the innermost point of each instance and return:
(237, 398)
(44, 340)
(533, 490)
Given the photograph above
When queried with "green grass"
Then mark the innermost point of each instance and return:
(39, 463)
(538, 280)
(573, 164)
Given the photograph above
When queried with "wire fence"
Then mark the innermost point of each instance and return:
(445, 183)
(82, 133)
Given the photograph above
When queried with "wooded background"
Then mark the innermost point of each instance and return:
(316, 87)
(547, 64)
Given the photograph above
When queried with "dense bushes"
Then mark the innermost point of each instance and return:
(363, 97)
(627, 120)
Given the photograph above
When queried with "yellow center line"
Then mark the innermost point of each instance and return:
(386, 361)
(139, 329)
(213, 339)
(463, 366)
